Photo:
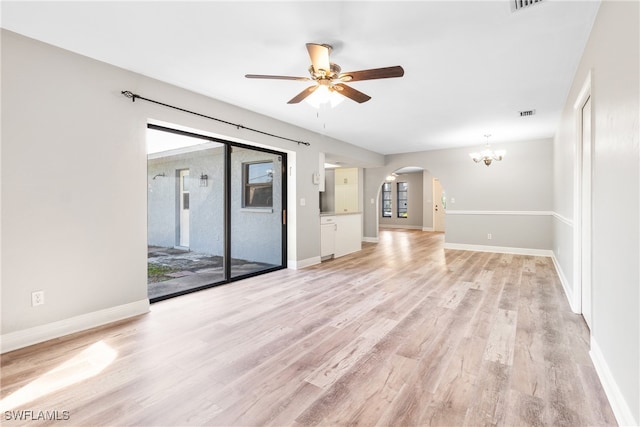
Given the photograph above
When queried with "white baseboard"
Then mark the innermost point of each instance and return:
(620, 408)
(401, 227)
(38, 334)
(370, 239)
(510, 213)
(499, 249)
(565, 286)
(427, 228)
(296, 265)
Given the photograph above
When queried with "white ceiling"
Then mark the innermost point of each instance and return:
(469, 66)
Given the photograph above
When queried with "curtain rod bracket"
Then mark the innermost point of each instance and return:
(130, 94)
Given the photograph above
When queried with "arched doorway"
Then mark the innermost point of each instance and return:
(411, 197)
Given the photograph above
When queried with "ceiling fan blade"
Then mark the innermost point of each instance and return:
(266, 76)
(374, 73)
(350, 92)
(319, 54)
(302, 95)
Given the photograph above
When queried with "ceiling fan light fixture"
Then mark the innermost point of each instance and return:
(324, 95)
(331, 165)
(328, 74)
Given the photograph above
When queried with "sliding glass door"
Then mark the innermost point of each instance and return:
(257, 215)
(214, 212)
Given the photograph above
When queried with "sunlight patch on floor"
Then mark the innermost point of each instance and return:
(89, 363)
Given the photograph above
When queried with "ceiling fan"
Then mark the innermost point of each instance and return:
(328, 75)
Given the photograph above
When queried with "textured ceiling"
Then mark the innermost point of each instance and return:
(470, 67)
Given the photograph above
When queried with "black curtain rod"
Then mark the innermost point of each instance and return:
(134, 96)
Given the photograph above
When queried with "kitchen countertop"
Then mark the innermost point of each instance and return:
(338, 213)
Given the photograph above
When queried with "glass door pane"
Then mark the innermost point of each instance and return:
(185, 213)
(256, 210)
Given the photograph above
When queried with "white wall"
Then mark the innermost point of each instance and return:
(511, 199)
(611, 58)
(74, 184)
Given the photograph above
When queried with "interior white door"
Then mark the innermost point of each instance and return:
(184, 208)
(438, 206)
(586, 225)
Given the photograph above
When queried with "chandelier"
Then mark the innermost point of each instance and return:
(487, 155)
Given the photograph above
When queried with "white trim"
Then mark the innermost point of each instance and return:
(257, 210)
(561, 218)
(427, 228)
(498, 249)
(199, 146)
(620, 408)
(19, 339)
(565, 285)
(529, 213)
(296, 265)
(585, 93)
(556, 215)
(370, 239)
(406, 227)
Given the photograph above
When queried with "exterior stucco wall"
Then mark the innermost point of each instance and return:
(256, 233)
(206, 208)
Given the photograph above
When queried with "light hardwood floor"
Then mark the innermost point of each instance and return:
(403, 333)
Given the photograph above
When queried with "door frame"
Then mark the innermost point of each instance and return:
(437, 201)
(582, 236)
(228, 145)
(180, 206)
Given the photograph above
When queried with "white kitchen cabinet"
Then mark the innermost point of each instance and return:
(346, 190)
(340, 234)
(327, 239)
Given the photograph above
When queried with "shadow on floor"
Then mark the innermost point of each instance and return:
(173, 270)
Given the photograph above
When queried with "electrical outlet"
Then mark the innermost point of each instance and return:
(37, 298)
(489, 237)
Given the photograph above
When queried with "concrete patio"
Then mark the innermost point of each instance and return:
(187, 270)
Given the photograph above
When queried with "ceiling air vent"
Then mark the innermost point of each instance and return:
(523, 4)
(527, 113)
